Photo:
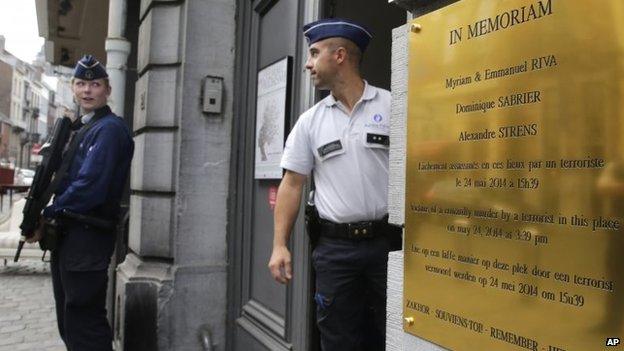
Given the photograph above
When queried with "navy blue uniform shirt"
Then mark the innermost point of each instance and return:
(95, 180)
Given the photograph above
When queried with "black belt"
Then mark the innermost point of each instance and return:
(88, 220)
(356, 230)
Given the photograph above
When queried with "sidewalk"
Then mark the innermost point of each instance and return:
(27, 316)
(4, 209)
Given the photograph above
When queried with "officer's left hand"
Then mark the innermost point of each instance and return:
(38, 233)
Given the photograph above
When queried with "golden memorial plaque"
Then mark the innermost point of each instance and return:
(515, 176)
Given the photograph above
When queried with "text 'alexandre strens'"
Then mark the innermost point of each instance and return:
(503, 21)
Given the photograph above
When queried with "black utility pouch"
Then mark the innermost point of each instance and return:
(51, 236)
(312, 222)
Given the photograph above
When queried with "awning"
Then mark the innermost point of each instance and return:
(72, 28)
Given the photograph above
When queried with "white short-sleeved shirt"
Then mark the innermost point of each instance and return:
(349, 155)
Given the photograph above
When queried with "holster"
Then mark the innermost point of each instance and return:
(51, 236)
(312, 223)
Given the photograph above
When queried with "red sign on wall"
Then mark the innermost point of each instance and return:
(272, 196)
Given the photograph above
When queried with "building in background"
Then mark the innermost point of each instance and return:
(63, 98)
(6, 90)
(27, 108)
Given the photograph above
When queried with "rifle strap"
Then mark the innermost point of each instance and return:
(68, 157)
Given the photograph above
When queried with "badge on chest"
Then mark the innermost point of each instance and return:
(330, 147)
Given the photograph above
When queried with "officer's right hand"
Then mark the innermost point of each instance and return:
(280, 264)
(38, 233)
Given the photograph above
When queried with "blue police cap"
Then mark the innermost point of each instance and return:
(337, 27)
(88, 68)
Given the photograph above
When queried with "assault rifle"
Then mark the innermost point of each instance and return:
(41, 189)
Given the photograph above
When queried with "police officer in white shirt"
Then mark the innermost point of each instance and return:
(343, 140)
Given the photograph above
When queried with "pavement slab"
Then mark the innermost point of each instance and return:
(27, 316)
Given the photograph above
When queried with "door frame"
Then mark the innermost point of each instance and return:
(294, 331)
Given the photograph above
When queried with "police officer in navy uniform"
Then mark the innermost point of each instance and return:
(91, 190)
(343, 141)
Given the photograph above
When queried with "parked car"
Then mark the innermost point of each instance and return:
(23, 176)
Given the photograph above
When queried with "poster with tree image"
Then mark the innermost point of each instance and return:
(271, 109)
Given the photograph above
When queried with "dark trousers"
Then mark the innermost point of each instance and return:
(351, 293)
(81, 307)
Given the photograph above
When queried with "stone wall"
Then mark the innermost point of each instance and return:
(176, 271)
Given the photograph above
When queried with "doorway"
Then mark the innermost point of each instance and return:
(263, 315)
